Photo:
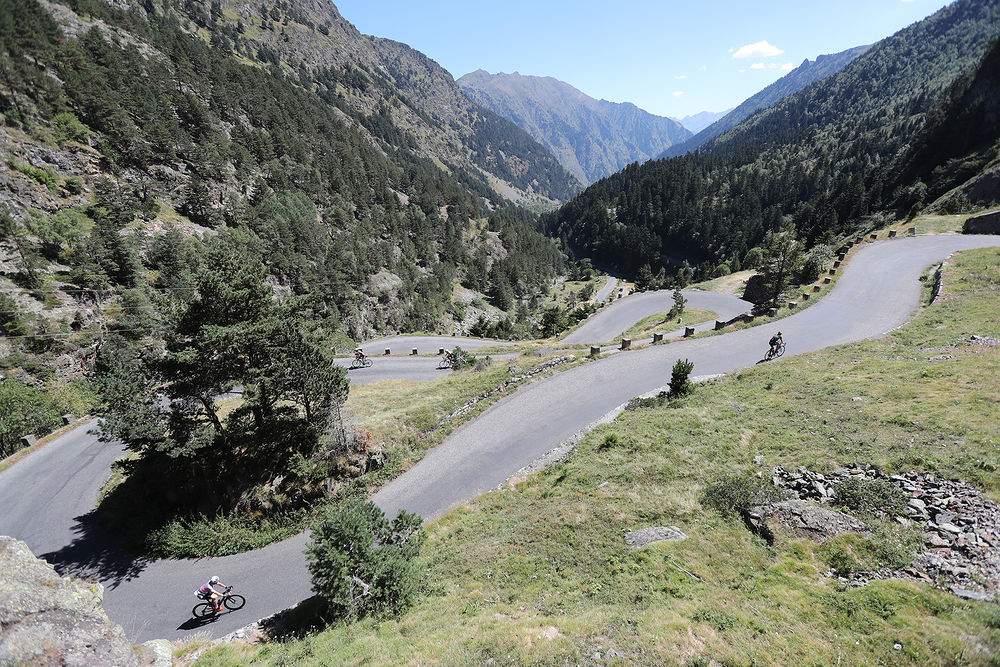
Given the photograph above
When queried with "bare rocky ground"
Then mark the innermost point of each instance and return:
(46, 619)
(961, 527)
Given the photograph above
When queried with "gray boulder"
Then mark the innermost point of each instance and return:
(640, 538)
(802, 519)
(46, 619)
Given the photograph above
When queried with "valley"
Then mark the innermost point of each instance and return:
(566, 444)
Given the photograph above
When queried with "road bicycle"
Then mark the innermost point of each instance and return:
(774, 353)
(230, 601)
(362, 362)
(446, 360)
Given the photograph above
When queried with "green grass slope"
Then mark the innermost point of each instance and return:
(538, 573)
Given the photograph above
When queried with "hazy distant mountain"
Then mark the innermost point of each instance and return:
(810, 71)
(591, 138)
(699, 121)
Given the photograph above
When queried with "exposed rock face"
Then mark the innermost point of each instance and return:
(49, 620)
(803, 519)
(640, 538)
(961, 527)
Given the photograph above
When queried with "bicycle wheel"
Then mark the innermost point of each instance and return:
(203, 610)
(234, 602)
(368, 362)
(781, 350)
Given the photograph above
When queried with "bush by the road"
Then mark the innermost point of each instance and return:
(29, 411)
(680, 385)
(361, 563)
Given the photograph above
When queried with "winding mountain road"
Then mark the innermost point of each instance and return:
(614, 320)
(48, 498)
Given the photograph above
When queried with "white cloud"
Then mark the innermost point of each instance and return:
(788, 67)
(759, 49)
(680, 76)
(678, 93)
(703, 68)
(758, 66)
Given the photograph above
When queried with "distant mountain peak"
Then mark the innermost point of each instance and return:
(810, 71)
(591, 138)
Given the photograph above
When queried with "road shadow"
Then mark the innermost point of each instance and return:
(94, 555)
(194, 622)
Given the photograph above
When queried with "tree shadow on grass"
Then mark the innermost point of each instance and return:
(94, 555)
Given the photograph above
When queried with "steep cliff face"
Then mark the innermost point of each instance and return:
(46, 619)
(592, 138)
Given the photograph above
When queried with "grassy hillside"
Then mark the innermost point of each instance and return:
(538, 572)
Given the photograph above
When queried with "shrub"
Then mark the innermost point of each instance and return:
(361, 563)
(23, 411)
(73, 185)
(680, 385)
(733, 494)
(871, 497)
(814, 262)
(69, 128)
(884, 547)
(461, 359)
(10, 320)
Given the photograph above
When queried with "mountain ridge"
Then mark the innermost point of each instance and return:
(592, 138)
(807, 73)
(823, 160)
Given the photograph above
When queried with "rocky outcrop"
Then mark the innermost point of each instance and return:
(987, 223)
(637, 539)
(802, 519)
(961, 527)
(46, 619)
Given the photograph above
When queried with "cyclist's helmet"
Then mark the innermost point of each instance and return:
(214, 579)
(779, 333)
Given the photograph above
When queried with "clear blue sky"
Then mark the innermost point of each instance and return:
(670, 58)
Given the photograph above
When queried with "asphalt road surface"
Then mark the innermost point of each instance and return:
(48, 497)
(426, 344)
(603, 293)
(610, 323)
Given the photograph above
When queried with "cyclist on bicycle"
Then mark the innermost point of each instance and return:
(208, 591)
(359, 354)
(776, 342)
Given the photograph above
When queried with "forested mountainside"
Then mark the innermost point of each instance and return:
(821, 159)
(134, 132)
(591, 138)
(958, 146)
(810, 71)
(397, 93)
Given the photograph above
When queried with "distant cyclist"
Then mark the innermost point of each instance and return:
(359, 354)
(209, 592)
(776, 342)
